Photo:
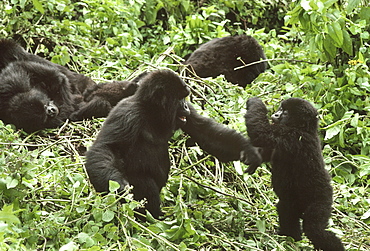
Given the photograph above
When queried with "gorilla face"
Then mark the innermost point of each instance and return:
(280, 116)
(32, 110)
(293, 112)
(182, 112)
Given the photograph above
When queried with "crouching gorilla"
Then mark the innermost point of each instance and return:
(299, 177)
(132, 146)
(222, 55)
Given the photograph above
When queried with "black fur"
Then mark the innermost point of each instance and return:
(80, 97)
(36, 93)
(132, 146)
(101, 98)
(221, 56)
(299, 177)
(10, 51)
(220, 141)
(34, 96)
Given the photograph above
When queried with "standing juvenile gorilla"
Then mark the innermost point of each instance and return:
(222, 55)
(299, 177)
(132, 146)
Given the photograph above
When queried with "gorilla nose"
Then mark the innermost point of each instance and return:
(51, 110)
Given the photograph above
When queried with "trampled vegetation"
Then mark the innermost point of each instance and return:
(318, 50)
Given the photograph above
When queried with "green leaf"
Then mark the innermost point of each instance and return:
(70, 246)
(335, 32)
(289, 87)
(38, 6)
(113, 186)
(85, 238)
(332, 132)
(108, 216)
(11, 183)
(329, 48)
(7, 215)
(347, 43)
(261, 225)
(351, 5)
(354, 120)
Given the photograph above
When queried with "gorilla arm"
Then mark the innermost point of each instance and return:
(220, 141)
(258, 126)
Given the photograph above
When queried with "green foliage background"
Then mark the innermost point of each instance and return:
(318, 50)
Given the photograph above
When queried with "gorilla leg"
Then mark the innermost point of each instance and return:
(101, 167)
(289, 216)
(315, 220)
(146, 187)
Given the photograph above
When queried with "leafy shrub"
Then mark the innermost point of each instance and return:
(46, 199)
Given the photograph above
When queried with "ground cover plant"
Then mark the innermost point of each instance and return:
(317, 50)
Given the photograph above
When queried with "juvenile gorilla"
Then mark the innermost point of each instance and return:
(299, 177)
(132, 146)
(222, 55)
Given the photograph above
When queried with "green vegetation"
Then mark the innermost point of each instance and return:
(320, 51)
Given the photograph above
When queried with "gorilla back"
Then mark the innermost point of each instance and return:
(222, 55)
(132, 146)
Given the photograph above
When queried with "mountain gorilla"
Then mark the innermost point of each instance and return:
(36, 93)
(299, 177)
(34, 96)
(223, 55)
(132, 146)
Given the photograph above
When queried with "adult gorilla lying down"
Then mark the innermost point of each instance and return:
(132, 146)
(36, 94)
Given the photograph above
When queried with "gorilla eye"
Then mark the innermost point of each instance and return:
(285, 113)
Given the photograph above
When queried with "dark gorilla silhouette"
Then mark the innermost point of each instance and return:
(37, 94)
(132, 146)
(299, 177)
(34, 92)
(223, 55)
(34, 96)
